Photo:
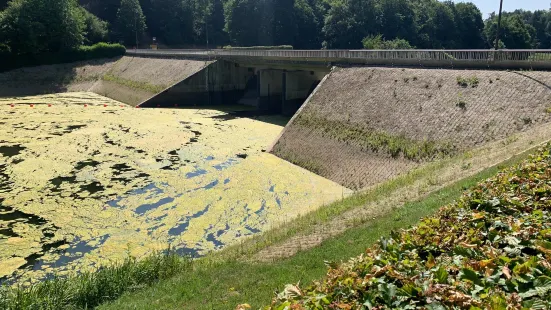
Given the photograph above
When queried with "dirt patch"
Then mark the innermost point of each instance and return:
(394, 119)
(458, 168)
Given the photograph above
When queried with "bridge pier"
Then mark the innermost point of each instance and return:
(284, 91)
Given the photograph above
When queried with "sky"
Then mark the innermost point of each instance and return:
(489, 6)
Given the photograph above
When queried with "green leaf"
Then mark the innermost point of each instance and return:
(441, 275)
(543, 281)
(469, 275)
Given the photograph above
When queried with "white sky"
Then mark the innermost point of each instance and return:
(489, 6)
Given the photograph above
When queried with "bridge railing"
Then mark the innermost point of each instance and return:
(522, 58)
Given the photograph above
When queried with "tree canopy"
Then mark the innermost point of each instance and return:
(34, 25)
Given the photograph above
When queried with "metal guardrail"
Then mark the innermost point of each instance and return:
(501, 58)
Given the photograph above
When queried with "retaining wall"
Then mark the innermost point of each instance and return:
(131, 80)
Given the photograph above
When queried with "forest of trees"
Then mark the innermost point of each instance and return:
(53, 25)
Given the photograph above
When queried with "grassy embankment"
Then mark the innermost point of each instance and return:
(491, 249)
(226, 278)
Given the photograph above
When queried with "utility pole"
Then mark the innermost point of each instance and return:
(136, 26)
(499, 24)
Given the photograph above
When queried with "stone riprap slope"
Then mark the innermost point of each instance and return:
(366, 125)
(131, 80)
(68, 77)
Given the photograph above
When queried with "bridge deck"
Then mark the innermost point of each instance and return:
(503, 59)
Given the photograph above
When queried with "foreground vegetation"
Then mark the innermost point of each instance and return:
(90, 289)
(491, 249)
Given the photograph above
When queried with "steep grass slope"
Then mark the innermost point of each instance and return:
(489, 250)
(365, 125)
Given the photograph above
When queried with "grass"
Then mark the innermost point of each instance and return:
(308, 164)
(215, 284)
(377, 141)
(134, 84)
(223, 279)
(91, 289)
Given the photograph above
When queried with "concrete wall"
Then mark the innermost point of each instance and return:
(283, 91)
(352, 128)
(131, 80)
(218, 83)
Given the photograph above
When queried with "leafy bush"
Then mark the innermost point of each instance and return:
(276, 47)
(491, 249)
(378, 43)
(99, 50)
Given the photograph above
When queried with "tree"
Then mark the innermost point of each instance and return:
(284, 21)
(3, 4)
(347, 23)
(171, 21)
(249, 22)
(37, 26)
(514, 33)
(130, 23)
(397, 19)
(216, 24)
(308, 26)
(470, 25)
(104, 9)
(95, 30)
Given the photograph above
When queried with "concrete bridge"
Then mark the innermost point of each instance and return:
(281, 80)
(468, 59)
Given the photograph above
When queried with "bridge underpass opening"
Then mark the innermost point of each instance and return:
(268, 90)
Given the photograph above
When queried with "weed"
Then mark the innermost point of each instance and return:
(462, 104)
(415, 78)
(466, 166)
(548, 110)
(406, 80)
(134, 84)
(377, 141)
(510, 140)
(463, 82)
(466, 82)
(527, 120)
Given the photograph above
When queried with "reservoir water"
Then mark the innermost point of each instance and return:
(85, 181)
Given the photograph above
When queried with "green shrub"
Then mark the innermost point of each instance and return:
(489, 250)
(379, 43)
(99, 50)
(275, 47)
